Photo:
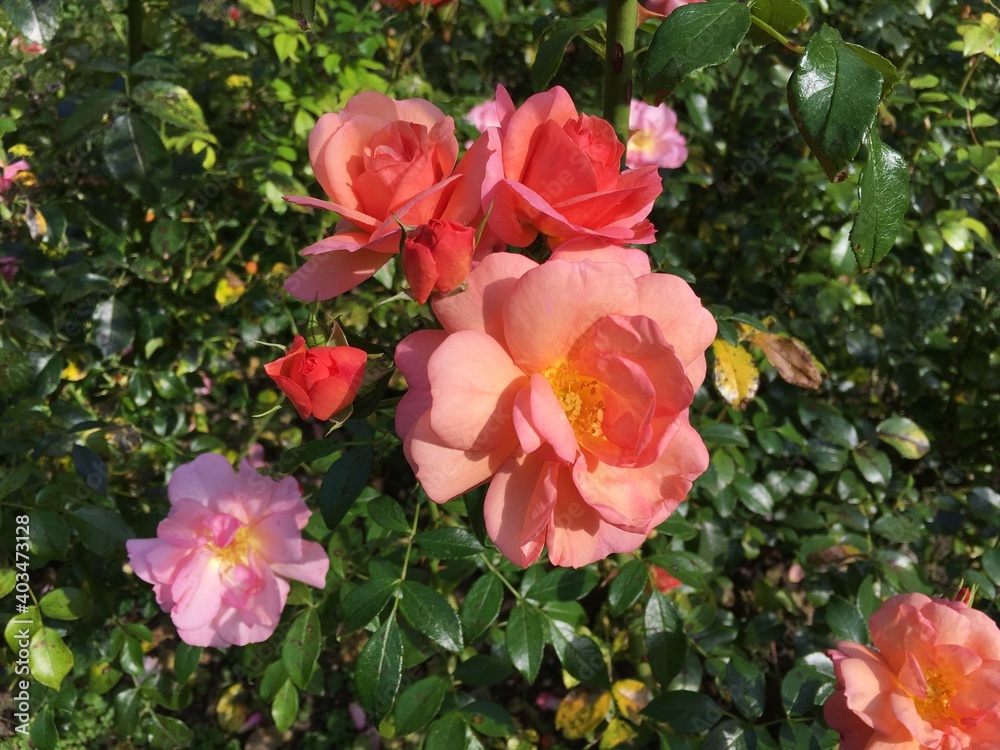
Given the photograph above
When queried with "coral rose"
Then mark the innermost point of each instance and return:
(221, 559)
(382, 162)
(319, 381)
(437, 257)
(934, 681)
(568, 383)
(556, 172)
(654, 138)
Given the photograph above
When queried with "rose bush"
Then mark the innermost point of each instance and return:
(568, 384)
(934, 681)
(222, 558)
(319, 381)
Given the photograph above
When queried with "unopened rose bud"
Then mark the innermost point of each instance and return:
(437, 257)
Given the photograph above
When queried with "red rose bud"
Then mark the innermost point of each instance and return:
(437, 257)
(965, 595)
(319, 381)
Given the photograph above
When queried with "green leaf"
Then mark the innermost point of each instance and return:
(730, 735)
(36, 19)
(689, 39)
(447, 733)
(66, 604)
(684, 710)
(15, 371)
(685, 566)
(304, 12)
(366, 601)
(343, 483)
(168, 733)
(753, 495)
(495, 9)
(48, 658)
(449, 543)
(8, 579)
(102, 530)
(91, 469)
(43, 732)
(49, 534)
(23, 624)
(563, 585)
(551, 47)
(300, 651)
(627, 586)
(724, 435)
(490, 719)
(580, 655)
(890, 76)
(833, 95)
(884, 195)
(666, 641)
(114, 330)
(846, 620)
(991, 564)
(430, 613)
(526, 640)
(171, 103)
(380, 667)
(186, 660)
(784, 16)
(135, 156)
(746, 686)
(386, 512)
(481, 606)
(418, 704)
(483, 670)
(285, 706)
(263, 8)
(873, 464)
(905, 436)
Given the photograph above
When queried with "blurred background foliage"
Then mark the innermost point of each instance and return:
(143, 258)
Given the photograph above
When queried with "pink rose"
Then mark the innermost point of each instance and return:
(654, 138)
(382, 162)
(437, 257)
(568, 384)
(666, 7)
(556, 172)
(9, 173)
(484, 115)
(934, 681)
(222, 557)
(28, 48)
(319, 381)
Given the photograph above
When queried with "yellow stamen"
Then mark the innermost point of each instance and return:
(236, 552)
(580, 399)
(936, 706)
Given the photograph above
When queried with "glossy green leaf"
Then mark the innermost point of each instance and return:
(43, 732)
(753, 495)
(526, 640)
(362, 604)
(730, 735)
(38, 20)
(833, 95)
(386, 512)
(447, 733)
(890, 76)
(135, 156)
(746, 686)
(481, 606)
(102, 530)
(564, 585)
(419, 704)
(684, 710)
(551, 48)
(489, 718)
(580, 654)
(691, 38)
(666, 641)
(49, 659)
(483, 670)
(905, 436)
(285, 706)
(66, 604)
(884, 194)
(186, 660)
(627, 586)
(784, 16)
(300, 650)
(15, 371)
(430, 613)
(380, 667)
(449, 543)
(171, 103)
(344, 482)
(114, 329)
(846, 620)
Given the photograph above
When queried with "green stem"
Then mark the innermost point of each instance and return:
(493, 569)
(136, 12)
(777, 35)
(619, 61)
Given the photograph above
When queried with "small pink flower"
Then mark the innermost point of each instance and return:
(222, 557)
(28, 48)
(934, 681)
(484, 115)
(666, 7)
(9, 267)
(655, 139)
(9, 172)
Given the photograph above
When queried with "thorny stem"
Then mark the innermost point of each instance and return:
(619, 61)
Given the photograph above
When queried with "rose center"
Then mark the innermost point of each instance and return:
(236, 552)
(937, 705)
(642, 140)
(581, 399)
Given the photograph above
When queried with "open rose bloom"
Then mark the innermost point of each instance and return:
(934, 681)
(568, 384)
(222, 558)
(654, 138)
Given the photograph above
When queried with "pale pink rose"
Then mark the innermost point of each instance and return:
(666, 7)
(484, 115)
(934, 681)
(383, 162)
(9, 173)
(556, 172)
(568, 384)
(222, 557)
(654, 138)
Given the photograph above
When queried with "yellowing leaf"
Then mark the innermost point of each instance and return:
(631, 696)
(905, 436)
(238, 82)
(735, 373)
(75, 371)
(618, 733)
(231, 711)
(581, 712)
(37, 225)
(790, 357)
(229, 289)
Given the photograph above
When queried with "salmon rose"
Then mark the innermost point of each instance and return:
(568, 384)
(319, 381)
(934, 681)
(382, 162)
(556, 172)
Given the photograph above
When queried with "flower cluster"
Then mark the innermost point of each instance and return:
(933, 682)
